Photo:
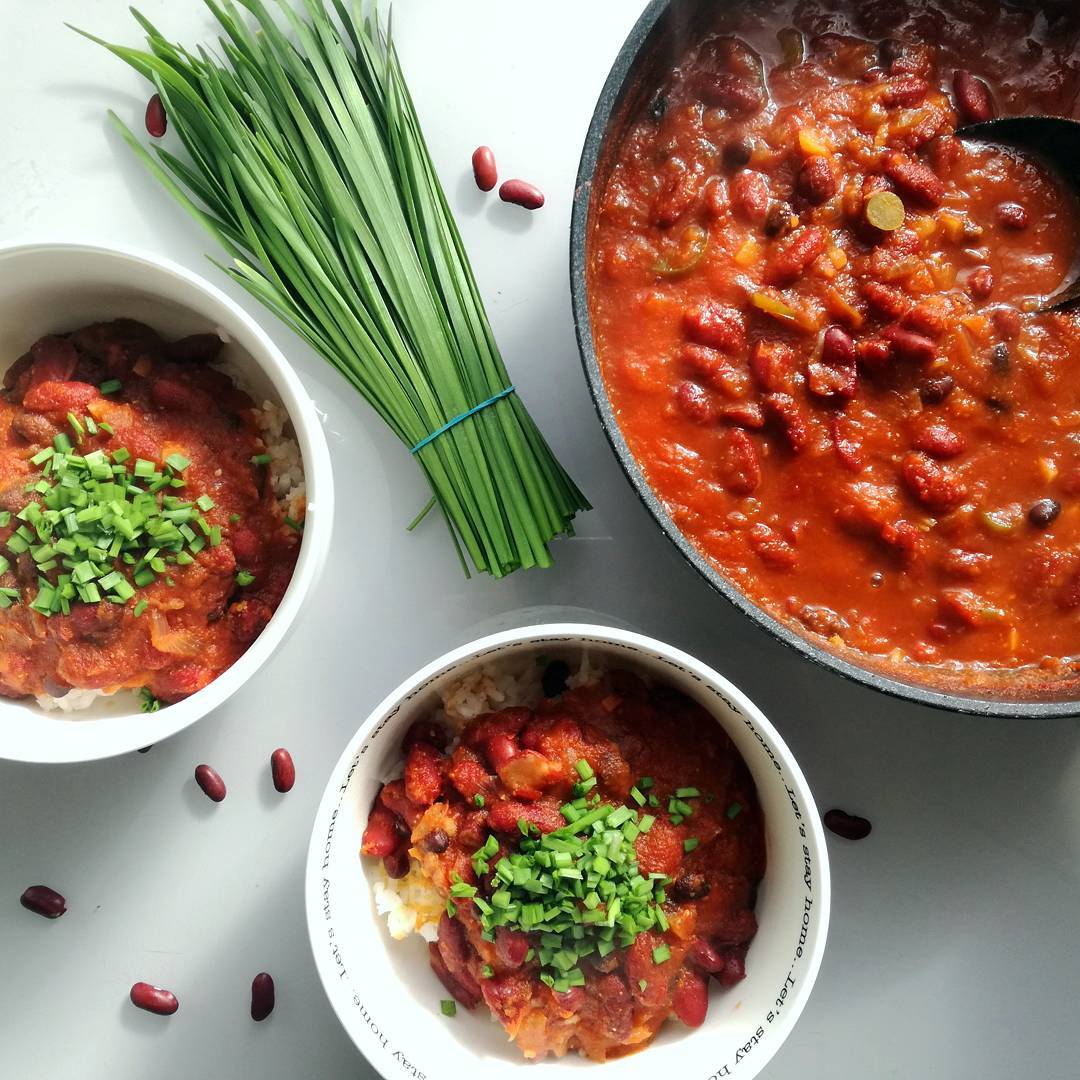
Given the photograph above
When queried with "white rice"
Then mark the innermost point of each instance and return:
(412, 904)
(287, 478)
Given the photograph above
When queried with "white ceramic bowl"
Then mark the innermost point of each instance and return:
(50, 287)
(384, 991)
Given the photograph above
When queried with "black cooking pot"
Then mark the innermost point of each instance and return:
(659, 39)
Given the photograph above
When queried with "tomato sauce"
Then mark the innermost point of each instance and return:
(519, 766)
(870, 431)
(181, 631)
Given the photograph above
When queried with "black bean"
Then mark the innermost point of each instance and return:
(435, 841)
(1043, 512)
(936, 389)
(777, 220)
(998, 405)
(657, 107)
(737, 152)
(553, 681)
(690, 885)
(999, 358)
(847, 825)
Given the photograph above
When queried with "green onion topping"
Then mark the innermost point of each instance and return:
(448, 1006)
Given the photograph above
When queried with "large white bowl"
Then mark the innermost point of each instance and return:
(54, 287)
(384, 991)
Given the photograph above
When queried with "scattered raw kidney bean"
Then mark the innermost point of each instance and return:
(973, 99)
(42, 900)
(522, 193)
(213, 787)
(484, 171)
(1012, 216)
(153, 999)
(282, 769)
(847, 825)
(262, 996)
(156, 120)
(1043, 513)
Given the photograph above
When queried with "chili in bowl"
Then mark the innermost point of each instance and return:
(808, 313)
(161, 484)
(582, 834)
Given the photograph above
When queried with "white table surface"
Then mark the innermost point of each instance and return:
(954, 946)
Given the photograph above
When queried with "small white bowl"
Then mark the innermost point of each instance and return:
(384, 991)
(51, 287)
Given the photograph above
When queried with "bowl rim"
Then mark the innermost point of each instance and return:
(70, 739)
(341, 773)
(610, 98)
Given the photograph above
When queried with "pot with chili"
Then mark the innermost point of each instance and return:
(808, 312)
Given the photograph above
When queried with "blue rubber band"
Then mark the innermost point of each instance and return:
(464, 416)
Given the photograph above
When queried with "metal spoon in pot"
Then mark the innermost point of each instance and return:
(1056, 141)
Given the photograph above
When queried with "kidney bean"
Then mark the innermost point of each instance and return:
(262, 996)
(156, 119)
(794, 253)
(570, 1001)
(153, 999)
(1042, 513)
(553, 680)
(827, 381)
(1006, 320)
(282, 770)
(847, 825)
(42, 900)
(704, 956)
(777, 220)
(435, 841)
(719, 326)
(425, 731)
(737, 152)
(423, 774)
(729, 92)
(383, 834)
(522, 193)
(710, 366)
(750, 195)
(772, 548)
(907, 345)
(936, 388)
(464, 994)
(740, 469)
(933, 484)
(695, 403)
(916, 180)
(747, 414)
(772, 364)
(511, 946)
(973, 101)
(846, 434)
(213, 787)
(981, 282)
(1012, 216)
(690, 999)
(734, 969)
(939, 440)
(837, 347)
(817, 180)
(886, 299)
(484, 171)
(397, 863)
(195, 349)
(904, 91)
(788, 415)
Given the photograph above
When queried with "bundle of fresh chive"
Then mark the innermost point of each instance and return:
(305, 159)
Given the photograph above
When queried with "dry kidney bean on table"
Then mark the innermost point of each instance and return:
(282, 769)
(522, 193)
(153, 999)
(156, 120)
(213, 787)
(849, 826)
(42, 900)
(262, 996)
(484, 170)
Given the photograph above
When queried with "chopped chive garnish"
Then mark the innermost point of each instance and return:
(584, 769)
(687, 793)
(149, 702)
(204, 503)
(234, 518)
(487, 971)
(244, 577)
(105, 426)
(296, 526)
(661, 954)
(478, 799)
(139, 608)
(110, 386)
(645, 783)
(448, 1006)
(734, 810)
(690, 843)
(642, 983)
(177, 462)
(261, 459)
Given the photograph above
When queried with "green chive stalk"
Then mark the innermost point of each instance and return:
(306, 161)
